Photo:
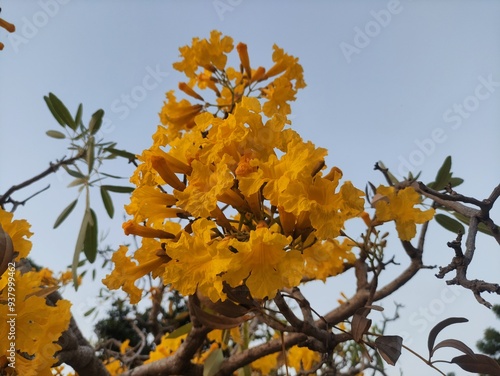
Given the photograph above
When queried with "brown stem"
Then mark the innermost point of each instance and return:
(52, 169)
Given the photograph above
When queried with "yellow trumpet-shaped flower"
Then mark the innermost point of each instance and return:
(197, 262)
(205, 185)
(126, 272)
(399, 207)
(264, 263)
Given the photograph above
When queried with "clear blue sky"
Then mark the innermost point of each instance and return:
(405, 82)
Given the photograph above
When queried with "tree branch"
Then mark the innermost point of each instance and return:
(6, 197)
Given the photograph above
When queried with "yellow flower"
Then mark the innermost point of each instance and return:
(197, 262)
(36, 329)
(18, 231)
(205, 184)
(327, 258)
(114, 366)
(47, 277)
(266, 364)
(204, 53)
(398, 206)
(151, 204)
(166, 347)
(126, 272)
(302, 358)
(264, 264)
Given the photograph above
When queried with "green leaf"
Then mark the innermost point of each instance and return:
(89, 312)
(443, 176)
(108, 203)
(118, 189)
(121, 153)
(55, 134)
(90, 242)
(76, 182)
(449, 223)
(74, 173)
(79, 113)
(64, 214)
(90, 153)
(213, 362)
(53, 111)
(184, 329)
(455, 182)
(62, 111)
(96, 121)
(112, 176)
(481, 227)
(80, 243)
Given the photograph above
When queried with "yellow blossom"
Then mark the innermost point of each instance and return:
(399, 207)
(264, 264)
(197, 262)
(327, 258)
(205, 185)
(266, 363)
(302, 358)
(18, 231)
(166, 347)
(126, 272)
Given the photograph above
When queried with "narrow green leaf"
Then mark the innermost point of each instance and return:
(62, 111)
(213, 362)
(90, 242)
(76, 182)
(118, 189)
(121, 153)
(64, 214)
(53, 111)
(55, 134)
(108, 203)
(73, 173)
(90, 154)
(449, 223)
(89, 312)
(78, 117)
(79, 244)
(113, 176)
(96, 121)
(443, 175)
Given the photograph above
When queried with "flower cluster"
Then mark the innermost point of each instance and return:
(261, 209)
(31, 334)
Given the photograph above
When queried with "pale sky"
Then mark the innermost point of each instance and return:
(405, 82)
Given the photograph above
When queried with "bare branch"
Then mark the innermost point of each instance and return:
(6, 197)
